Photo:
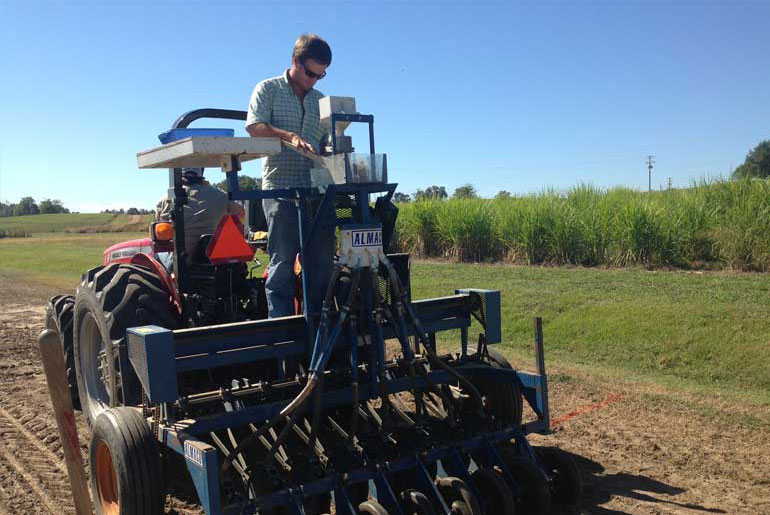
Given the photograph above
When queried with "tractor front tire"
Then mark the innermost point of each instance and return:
(58, 316)
(109, 300)
(125, 465)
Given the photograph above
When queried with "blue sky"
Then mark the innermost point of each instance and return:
(504, 95)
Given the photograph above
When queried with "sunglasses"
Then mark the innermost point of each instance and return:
(311, 74)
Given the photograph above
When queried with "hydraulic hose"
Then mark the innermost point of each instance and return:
(287, 410)
(375, 322)
(316, 414)
(398, 291)
(316, 368)
(399, 323)
(283, 434)
(318, 365)
(353, 427)
(325, 308)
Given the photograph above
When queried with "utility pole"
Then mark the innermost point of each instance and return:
(669, 183)
(650, 162)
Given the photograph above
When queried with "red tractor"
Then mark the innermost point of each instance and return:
(134, 288)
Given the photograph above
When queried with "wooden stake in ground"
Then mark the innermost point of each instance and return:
(56, 375)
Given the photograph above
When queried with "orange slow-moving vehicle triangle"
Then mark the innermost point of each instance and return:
(228, 244)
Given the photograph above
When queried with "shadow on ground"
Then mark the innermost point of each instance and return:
(599, 489)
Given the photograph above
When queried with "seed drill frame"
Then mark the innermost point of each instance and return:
(160, 358)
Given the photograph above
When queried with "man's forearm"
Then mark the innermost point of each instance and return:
(264, 130)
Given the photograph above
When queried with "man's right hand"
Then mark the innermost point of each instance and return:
(301, 144)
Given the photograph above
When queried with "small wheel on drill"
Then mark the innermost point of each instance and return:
(414, 502)
(503, 400)
(371, 507)
(458, 496)
(125, 465)
(534, 496)
(496, 497)
(563, 476)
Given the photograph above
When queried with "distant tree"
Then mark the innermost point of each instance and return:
(26, 206)
(49, 206)
(132, 211)
(401, 197)
(432, 192)
(465, 191)
(502, 194)
(245, 183)
(6, 209)
(757, 163)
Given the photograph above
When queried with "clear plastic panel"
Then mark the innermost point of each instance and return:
(361, 168)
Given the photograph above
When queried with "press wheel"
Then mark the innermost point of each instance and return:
(495, 494)
(458, 496)
(371, 507)
(534, 495)
(414, 502)
(563, 476)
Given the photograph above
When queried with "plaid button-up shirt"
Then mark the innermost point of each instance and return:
(274, 102)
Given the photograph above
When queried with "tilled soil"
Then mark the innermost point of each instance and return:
(640, 449)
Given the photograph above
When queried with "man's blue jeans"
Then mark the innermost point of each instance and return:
(283, 247)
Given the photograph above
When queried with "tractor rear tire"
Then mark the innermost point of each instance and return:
(125, 465)
(58, 316)
(109, 300)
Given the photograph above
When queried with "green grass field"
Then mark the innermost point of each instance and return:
(57, 259)
(706, 330)
(80, 222)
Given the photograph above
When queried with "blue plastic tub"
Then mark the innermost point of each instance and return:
(177, 134)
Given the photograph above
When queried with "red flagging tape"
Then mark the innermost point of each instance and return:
(560, 420)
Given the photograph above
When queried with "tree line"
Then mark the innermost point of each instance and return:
(439, 193)
(129, 211)
(28, 206)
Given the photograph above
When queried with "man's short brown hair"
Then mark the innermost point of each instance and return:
(310, 46)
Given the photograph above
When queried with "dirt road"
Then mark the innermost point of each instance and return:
(640, 449)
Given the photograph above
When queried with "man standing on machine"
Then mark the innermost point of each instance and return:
(286, 107)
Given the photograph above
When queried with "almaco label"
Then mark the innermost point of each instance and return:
(193, 454)
(361, 246)
(366, 238)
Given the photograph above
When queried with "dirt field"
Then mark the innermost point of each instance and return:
(639, 449)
